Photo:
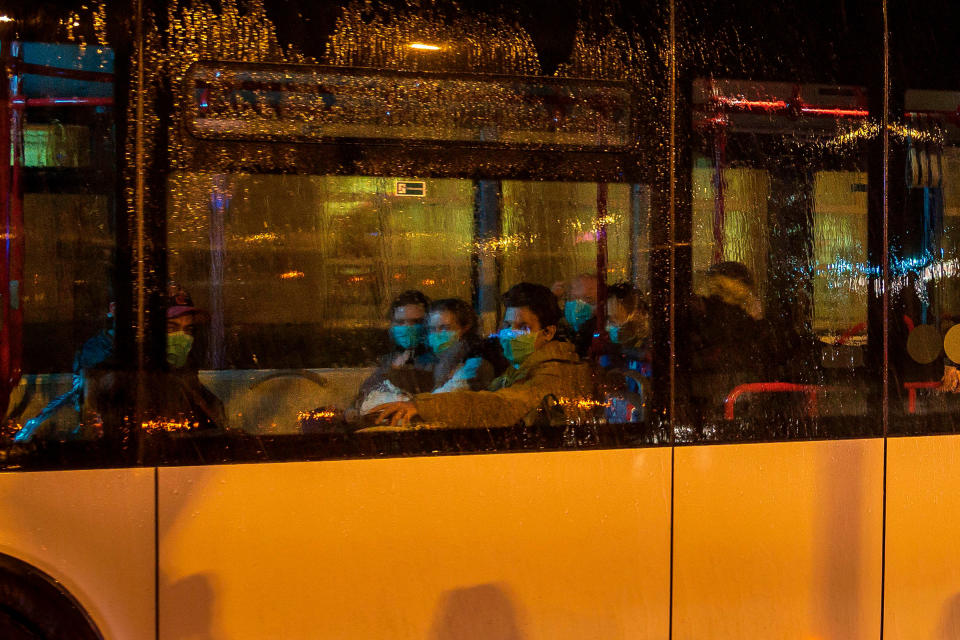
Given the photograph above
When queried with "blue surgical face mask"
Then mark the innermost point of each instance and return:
(614, 332)
(440, 341)
(517, 345)
(577, 312)
(179, 344)
(407, 336)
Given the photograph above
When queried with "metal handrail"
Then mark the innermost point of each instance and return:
(912, 387)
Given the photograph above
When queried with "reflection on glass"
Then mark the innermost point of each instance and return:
(58, 251)
(776, 329)
(925, 275)
(550, 230)
(299, 270)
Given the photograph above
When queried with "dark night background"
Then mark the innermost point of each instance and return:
(814, 41)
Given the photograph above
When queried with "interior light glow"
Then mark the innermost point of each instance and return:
(6, 19)
(422, 46)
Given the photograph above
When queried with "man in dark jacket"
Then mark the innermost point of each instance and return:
(727, 342)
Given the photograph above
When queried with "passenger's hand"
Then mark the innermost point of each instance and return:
(401, 360)
(396, 414)
(951, 379)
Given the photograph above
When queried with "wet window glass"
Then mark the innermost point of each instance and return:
(59, 224)
(925, 307)
(345, 224)
(404, 219)
(774, 336)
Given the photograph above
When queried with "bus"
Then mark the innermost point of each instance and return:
(420, 320)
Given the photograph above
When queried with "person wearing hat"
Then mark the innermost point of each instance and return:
(183, 397)
(182, 320)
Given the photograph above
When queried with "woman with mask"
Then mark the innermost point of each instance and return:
(462, 361)
(540, 367)
(579, 312)
(624, 355)
(628, 329)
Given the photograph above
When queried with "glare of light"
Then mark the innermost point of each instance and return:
(422, 46)
(6, 19)
(581, 403)
(318, 414)
(260, 237)
(291, 275)
(171, 426)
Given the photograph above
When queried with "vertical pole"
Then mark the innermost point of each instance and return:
(219, 204)
(672, 295)
(639, 236)
(885, 323)
(487, 263)
(6, 149)
(17, 231)
(719, 186)
(139, 197)
(601, 231)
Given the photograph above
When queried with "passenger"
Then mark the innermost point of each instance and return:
(622, 355)
(406, 370)
(184, 397)
(461, 364)
(173, 400)
(542, 367)
(728, 342)
(579, 310)
(94, 353)
(628, 329)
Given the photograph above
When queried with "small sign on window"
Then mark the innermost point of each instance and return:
(407, 188)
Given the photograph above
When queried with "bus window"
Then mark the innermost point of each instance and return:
(59, 249)
(777, 321)
(925, 292)
(551, 229)
(299, 278)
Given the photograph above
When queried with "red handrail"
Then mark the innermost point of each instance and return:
(849, 333)
(912, 387)
(810, 390)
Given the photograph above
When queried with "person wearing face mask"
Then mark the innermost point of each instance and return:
(184, 397)
(628, 330)
(623, 354)
(406, 370)
(540, 367)
(463, 363)
(579, 312)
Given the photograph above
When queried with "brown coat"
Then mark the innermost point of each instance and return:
(553, 370)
